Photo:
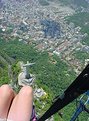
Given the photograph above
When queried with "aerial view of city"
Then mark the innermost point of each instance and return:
(44, 44)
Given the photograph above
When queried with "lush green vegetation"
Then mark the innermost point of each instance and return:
(52, 74)
(81, 55)
(3, 74)
(44, 67)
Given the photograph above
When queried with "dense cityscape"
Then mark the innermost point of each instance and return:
(28, 21)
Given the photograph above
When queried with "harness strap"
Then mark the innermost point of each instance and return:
(33, 116)
(78, 87)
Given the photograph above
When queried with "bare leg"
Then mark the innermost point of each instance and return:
(6, 97)
(21, 108)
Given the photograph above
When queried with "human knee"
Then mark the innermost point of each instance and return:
(26, 91)
(7, 91)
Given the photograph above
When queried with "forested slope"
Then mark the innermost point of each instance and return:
(52, 74)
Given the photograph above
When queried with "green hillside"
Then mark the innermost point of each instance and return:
(44, 67)
(52, 74)
(3, 70)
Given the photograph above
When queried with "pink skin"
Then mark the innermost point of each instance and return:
(6, 96)
(16, 107)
